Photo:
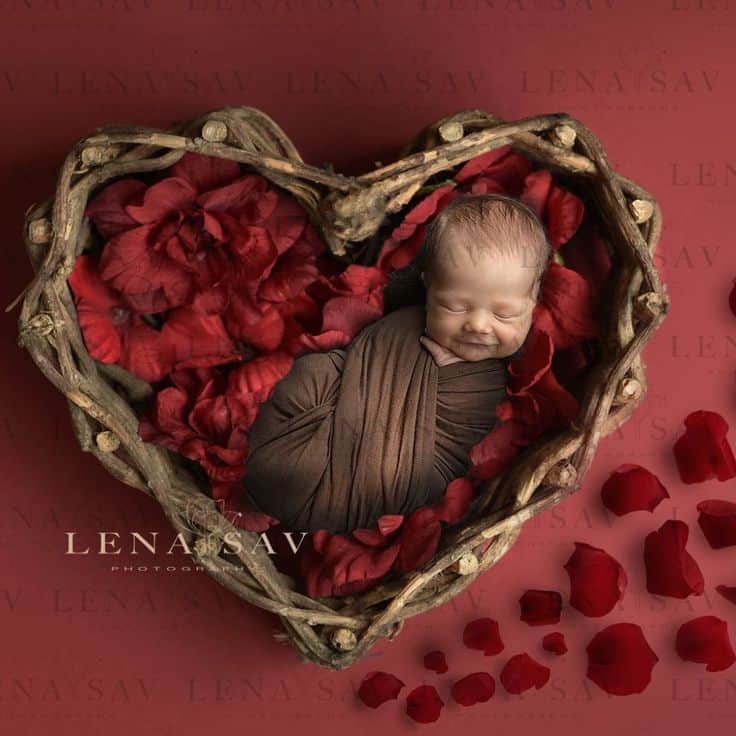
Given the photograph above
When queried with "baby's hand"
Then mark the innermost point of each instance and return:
(442, 356)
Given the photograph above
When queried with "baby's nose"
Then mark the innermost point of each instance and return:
(479, 323)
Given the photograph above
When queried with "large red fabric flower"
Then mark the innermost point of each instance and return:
(113, 332)
(560, 210)
(671, 570)
(703, 452)
(597, 580)
(620, 661)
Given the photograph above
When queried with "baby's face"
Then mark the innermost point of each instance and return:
(480, 309)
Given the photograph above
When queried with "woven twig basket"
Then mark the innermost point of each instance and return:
(336, 632)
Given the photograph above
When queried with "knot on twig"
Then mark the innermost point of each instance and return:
(628, 390)
(641, 210)
(40, 231)
(107, 441)
(98, 155)
(214, 131)
(647, 306)
(563, 475)
(466, 564)
(342, 640)
(40, 325)
(562, 136)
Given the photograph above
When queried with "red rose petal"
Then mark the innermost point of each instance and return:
(705, 640)
(671, 570)
(732, 298)
(420, 535)
(378, 687)
(477, 687)
(540, 607)
(436, 662)
(522, 672)
(423, 704)
(455, 502)
(620, 661)
(718, 521)
(632, 488)
(703, 451)
(597, 580)
(728, 592)
(483, 634)
(555, 643)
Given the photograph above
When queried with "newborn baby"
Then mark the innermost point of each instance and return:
(383, 425)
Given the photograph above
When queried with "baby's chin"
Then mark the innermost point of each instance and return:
(471, 352)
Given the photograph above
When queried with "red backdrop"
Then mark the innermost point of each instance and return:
(88, 650)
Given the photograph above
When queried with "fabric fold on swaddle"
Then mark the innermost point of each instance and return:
(370, 429)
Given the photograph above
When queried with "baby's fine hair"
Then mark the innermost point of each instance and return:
(487, 223)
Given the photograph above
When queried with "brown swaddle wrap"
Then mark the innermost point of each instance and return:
(374, 428)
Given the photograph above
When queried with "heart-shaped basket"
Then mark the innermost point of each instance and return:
(347, 212)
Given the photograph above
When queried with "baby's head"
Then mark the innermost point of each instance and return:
(481, 264)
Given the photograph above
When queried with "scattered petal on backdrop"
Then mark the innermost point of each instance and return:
(620, 661)
(522, 672)
(477, 687)
(630, 488)
(378, 687)
(597, 580)
(718, 521)
(671, 570)
(483, 634)
(436, 662)
(555, 643)
(540, 607)
(705, 640)
(703, 452)
(423, 704)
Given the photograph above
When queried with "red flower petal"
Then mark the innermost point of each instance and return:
(728, 592)
(671, 570)
(423, 704)
(718, 521)
(597, 580)
(196, 339)
(705, 640)
(378, 687)
(522, 672)
(205, 172)
(563, 216)
(632, 488)
(620, 661)
(483, 634)
(477, 687)
(703, 451)
(436, 662)
(567, 298)
(107, 209)
(540, 607)
(555, 643)
(162, 199)
(420, 535)
(455, 502)
(732, 298)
